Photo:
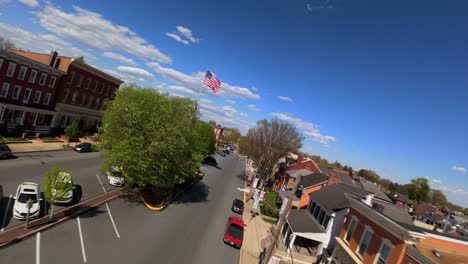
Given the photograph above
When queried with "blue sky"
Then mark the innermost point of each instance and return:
(371, 84)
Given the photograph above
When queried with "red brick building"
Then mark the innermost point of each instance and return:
(28, 91)
(82, 91)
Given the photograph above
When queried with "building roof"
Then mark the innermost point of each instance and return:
(415, 228)
(314, 179)
(373, 188)
(333, 196)
(345, 178)
(459, 220)
(396, 213)
(418, 256)
(301, 221)
(295, 173)
(400, 197)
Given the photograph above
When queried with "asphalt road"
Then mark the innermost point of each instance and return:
(189, 231)
(33, 166)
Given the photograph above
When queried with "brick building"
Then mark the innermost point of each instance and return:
(82, 91)
(28, 92)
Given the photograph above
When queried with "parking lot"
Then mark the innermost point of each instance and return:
(188, 231)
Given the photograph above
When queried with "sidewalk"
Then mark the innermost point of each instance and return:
(37, 145)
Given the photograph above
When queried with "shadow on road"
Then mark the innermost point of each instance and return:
(198, 193)
(10, 157)
(6, 211)
(92, 213)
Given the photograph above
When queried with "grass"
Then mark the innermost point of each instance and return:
(50, 139)
(10, 139)
(270, 221)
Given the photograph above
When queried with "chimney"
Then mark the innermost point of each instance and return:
(53, 56)
(332, 179)
(57, 63)
(369, 198)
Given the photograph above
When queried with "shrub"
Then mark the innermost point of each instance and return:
(72, 130)
(269, 204)
(3, 130)
(96, 147)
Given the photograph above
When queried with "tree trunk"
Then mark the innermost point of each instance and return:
(51, 212)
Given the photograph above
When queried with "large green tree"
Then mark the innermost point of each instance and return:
(369, 175)
(231, 134)
(419, 189)
(437, 197)
(206, 137)
(152, 136)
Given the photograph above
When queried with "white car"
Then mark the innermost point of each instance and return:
(26, 191)
(115, 177)
(64, 178)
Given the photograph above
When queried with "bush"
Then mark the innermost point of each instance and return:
(3, 130)
(96, 147)
(269, 204)
(72, 130)
(17, 131)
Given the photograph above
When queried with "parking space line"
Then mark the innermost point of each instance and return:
(112, 220)
(81, 240)
(6, 212)
(102, 185)
(38, 248)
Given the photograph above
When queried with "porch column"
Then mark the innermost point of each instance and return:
(52, 123)
(35, 119)
(3, 112)
(291, 242)
(22, 117)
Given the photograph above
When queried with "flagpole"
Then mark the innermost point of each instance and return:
(199, 91)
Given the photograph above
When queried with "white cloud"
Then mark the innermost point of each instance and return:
(309, 129)
(436, 181)
(255, 88)
(92, 30)
(231, 101)
(253, 108)
(181, 89)
(285, 98)
(177, 38)
(38, 42)
(229, 110)
(30, 3)
(118, 57)
(459, 169)
(243, 114)
(194, 82)
(136, 71)
(4, 2)
(187, 33)
(222, 116)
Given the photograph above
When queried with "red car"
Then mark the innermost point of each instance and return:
(234, 233)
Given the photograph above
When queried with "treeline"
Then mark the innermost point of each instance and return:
(417, 190)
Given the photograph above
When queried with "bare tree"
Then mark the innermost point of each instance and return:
(5, 44)
(268, 142)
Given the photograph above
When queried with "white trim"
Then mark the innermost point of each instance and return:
(13, 71)
(54, 81)
(387, 242)
(366, 229)
(31, 79)
(88, 83)
(41, 80)
(1, 63)
(70, 78)
(7, 85)
(24, 73)
(83, 99)
(353, 219)
(74, 96)
(47, 96)
(26, 101)
(80, 80)
(19, 92)
(90, 101)
(37, 97)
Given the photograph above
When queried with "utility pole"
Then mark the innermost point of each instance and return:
(281, 221)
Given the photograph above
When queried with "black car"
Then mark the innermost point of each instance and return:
(83, 147)
(237, 206)
(210, 161)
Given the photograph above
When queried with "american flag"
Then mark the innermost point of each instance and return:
(211, 81)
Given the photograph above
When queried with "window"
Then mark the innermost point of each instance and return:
(384, 252)
(11, 69)
(108, 89)
(97, 103)
(96, 83)
(22, 72)
(47, 98)
(88, 82)
(83, 98)
(43, 79)
(351, 228)
(321, 216)
(312, 207)
(365, 240)
(65, 96)
(40, 118)
(16, 92)
(90, 101)
(32, 76)
(52, 81)
(37, 97)
(26, 95)
(1, 63)
(31, 117)
(80, 81)
(325, 222)
(316, 211)
(75, 95)
(101, 88)
(71, 77)
(5, 88)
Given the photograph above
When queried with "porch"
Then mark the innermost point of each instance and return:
(20, 119)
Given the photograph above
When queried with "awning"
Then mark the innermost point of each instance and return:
(304, 225)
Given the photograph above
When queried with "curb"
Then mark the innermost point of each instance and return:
(162, 207)
(50, 150)
(114, 194)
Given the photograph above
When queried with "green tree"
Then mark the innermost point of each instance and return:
(57, 186)
(152, 136)
(419, 189)
(369, 175)
(437, 197)
(211, 122)
(73, 130)
(231, 134)
(206, 137)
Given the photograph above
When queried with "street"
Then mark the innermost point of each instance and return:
(189, 231)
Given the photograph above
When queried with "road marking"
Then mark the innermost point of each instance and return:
(102, 185)
(6, 212)
(112, 220)
(81, 240)
(38, 248)
(108, 209)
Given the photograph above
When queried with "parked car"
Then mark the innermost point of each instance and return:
(115, 177)
(83, 147)
(64, 178)
(234, 232)
(227, 151)
(1, 194)
(210, 161)
(5, 151)
(27, 191)
(237, 206)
